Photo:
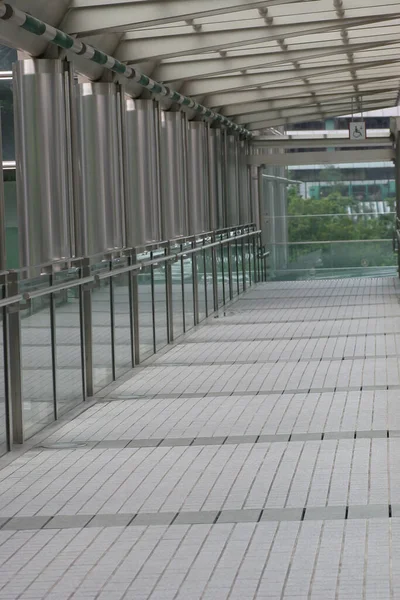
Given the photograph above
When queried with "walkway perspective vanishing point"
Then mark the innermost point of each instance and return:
(257, 457)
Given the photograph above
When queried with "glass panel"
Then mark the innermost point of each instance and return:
(36, 361)
(160, 303)
(145, 314)
(122, 324)
(69, 385)
(188, 289)
(101, 332)
(337, 222)
(209, 280)
(222, 266)
(7, 118)
(344, 259)
(201, 285)
(3, 423)
(11, 218)
(235, 250)
(177, 295)
(241, 261)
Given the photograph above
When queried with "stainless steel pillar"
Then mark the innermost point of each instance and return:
(244, 184)
(197, 163)
(142, 173)
(173, 133)
(3, 258)
(232, 181)
(101, 201)
(42, 150)
(255, 196)
(216, 167)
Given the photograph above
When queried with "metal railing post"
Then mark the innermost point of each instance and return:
(87, 329)
(153, 305)
(243, 265)
(169, 297)
(195, 287)
(214, 267)
(6, 363)
(134, 301)
(14, 354)
(230, 279)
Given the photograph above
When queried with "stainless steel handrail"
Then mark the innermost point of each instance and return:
(11, 300)
(107, 274)
(58, 288)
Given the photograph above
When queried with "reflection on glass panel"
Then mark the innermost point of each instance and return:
(36, 365)
(160, 304)
(188, 288)
(146, 339)
(3, 423)
(241, 264)
(235, 251)
(177, 295)
(7, 118)
(337, 223)
(122, 324)
(11, 219)
(357, 258)
(209, 280)
(201, 285)
(8, 56)
(69, 386)
(223, 274)
(101, 335)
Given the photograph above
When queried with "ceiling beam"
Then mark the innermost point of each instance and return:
(158, 44)
(239, 111)
(342, 142)
(87, 18)
(293, 90)
(286, 120)
(322, 158)
(321, 110)
(234, 82)
(194, 69)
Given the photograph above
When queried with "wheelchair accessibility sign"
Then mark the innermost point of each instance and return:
(357, 130)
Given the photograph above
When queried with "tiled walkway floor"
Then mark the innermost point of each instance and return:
(257, 458)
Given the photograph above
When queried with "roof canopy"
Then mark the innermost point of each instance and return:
(262, 64)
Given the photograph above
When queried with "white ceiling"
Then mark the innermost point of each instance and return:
(262, 64)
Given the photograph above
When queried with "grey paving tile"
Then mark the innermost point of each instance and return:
(176, 442)
(279, 437)
(154, 518)
(316, 513)
(18, 523)
(68, 521)
(209, 441)
(201, 517)
(112, 443)
(305, 437)
(338, 435)
(368, 511)
(282, 514)
(372, 434)
(239, 516)
(3, 521)
(241, 439)
(118, 520)
(144, 443)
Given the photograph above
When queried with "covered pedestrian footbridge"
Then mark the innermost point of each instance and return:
(199, 340)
